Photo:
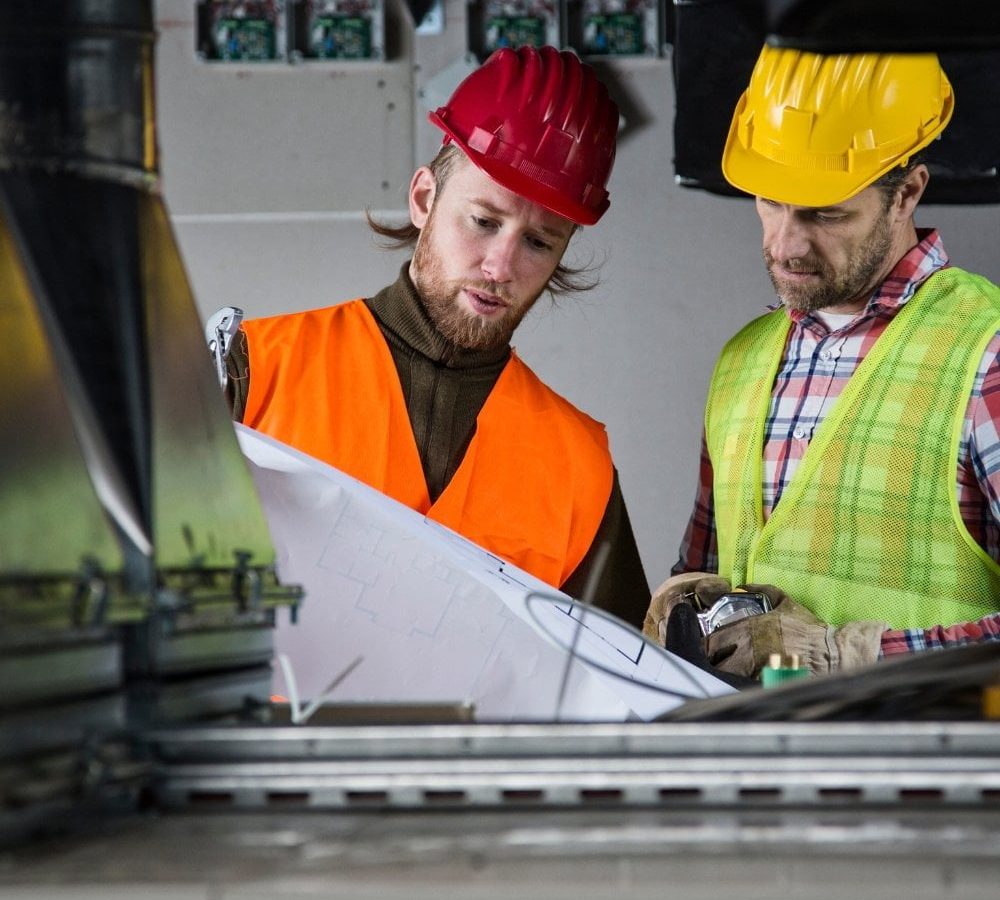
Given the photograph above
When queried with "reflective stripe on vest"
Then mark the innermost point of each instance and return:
(869, 527)
(532, 487)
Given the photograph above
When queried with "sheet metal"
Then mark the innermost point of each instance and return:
(824, 766)
(59, 550)
(585, 817)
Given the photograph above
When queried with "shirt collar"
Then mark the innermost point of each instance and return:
(920, 262)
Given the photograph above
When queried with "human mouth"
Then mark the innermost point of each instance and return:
(794, 278)
(485, 304)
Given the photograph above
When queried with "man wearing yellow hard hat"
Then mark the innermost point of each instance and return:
(851, 455)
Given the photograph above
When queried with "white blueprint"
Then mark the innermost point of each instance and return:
(433, 617)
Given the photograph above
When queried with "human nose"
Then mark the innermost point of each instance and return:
(785, 237)
(498, 262)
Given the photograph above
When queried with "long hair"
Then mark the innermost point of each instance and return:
(564, 280)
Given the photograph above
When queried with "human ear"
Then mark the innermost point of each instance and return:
(422, 189)
(912, 189)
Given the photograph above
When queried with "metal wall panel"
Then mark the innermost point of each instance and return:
(266, 137)
(275, 264)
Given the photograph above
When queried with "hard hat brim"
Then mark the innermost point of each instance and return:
(761, 177)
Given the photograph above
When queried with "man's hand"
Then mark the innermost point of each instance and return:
(684, 588)
(744, 647)
(685, 639)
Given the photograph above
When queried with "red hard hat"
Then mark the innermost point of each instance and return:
(541, 124)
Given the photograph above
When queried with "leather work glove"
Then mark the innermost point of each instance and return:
(688, 587)
(685, 639)
(744, 647)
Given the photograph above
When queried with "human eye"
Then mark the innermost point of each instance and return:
(766, 209)
(538, 243)
(483, 223)
(829, 216)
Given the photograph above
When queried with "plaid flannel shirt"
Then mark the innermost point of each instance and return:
(817, 364)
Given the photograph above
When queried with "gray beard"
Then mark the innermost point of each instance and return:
(837, 290)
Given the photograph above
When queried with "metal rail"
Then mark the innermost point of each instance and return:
(703, 767)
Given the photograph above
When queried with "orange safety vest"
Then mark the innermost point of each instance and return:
(532, 487)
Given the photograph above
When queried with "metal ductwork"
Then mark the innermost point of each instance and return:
(137, 577)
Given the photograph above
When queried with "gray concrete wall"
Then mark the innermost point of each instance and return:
(267, 170)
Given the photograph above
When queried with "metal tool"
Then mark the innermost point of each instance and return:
(220, 329)
(731, 608)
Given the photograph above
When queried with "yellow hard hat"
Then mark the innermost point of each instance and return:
(814, 129)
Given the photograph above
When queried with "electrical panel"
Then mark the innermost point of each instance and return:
(605, 28)
(615, 27)
(494, 24)
(291, 31)
(240, 30)
(337, 29)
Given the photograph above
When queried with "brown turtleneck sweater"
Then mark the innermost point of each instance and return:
(445, 387)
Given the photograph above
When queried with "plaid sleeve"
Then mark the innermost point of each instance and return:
(910, 640)
(979, 491)
(699, 551)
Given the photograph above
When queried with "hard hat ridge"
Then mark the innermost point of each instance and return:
(540, 123)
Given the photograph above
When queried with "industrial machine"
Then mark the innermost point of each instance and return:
(139, 746)
(137, 578)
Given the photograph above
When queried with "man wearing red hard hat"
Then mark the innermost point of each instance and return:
(416, 391)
